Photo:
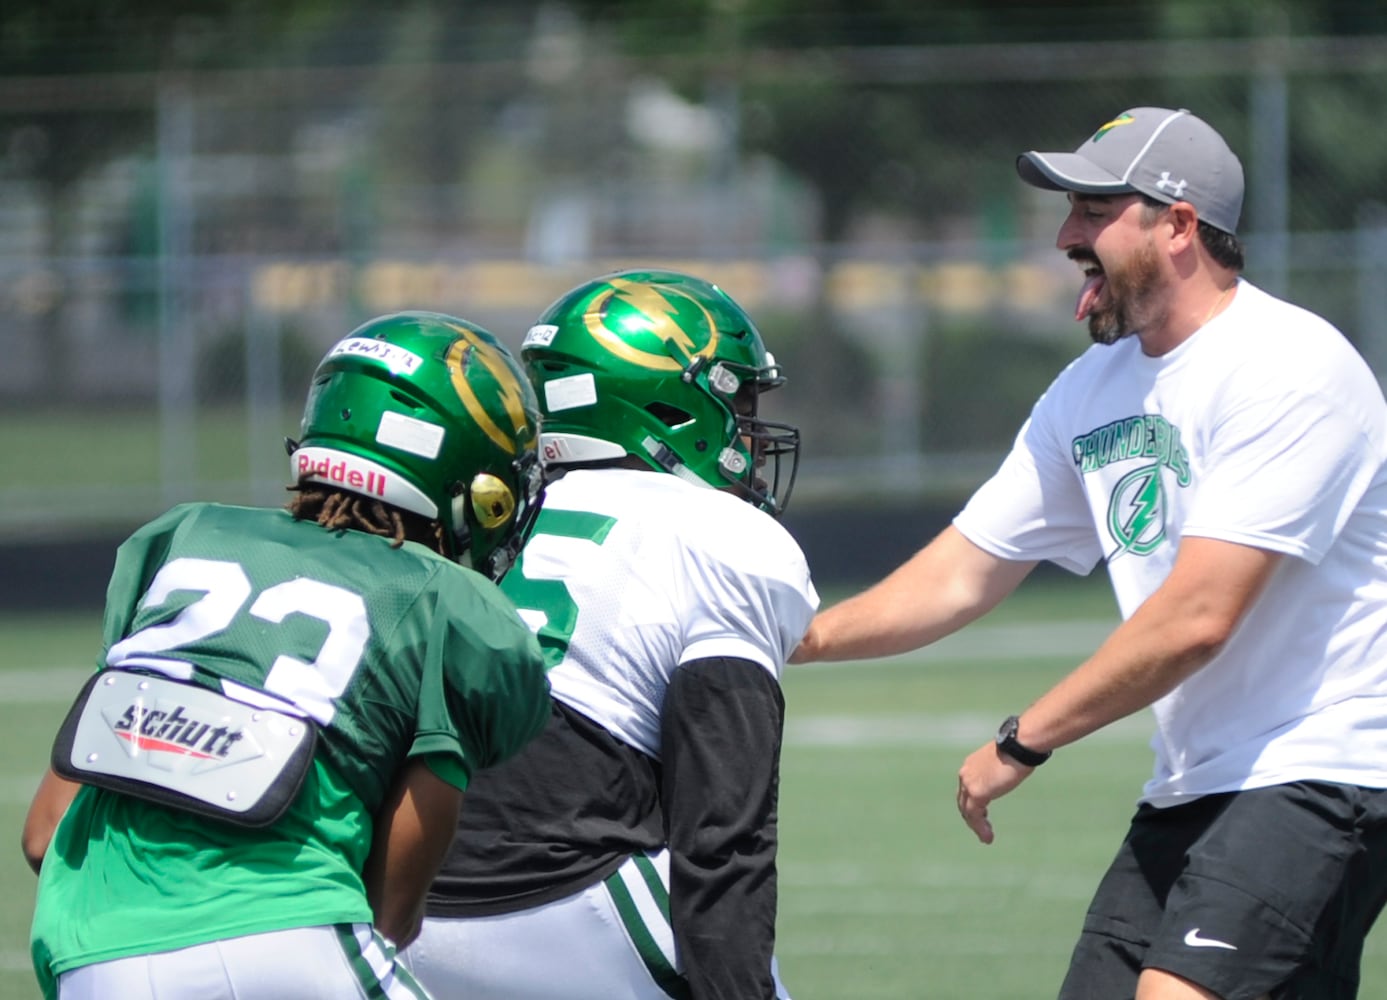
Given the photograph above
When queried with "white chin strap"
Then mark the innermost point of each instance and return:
(667, 460)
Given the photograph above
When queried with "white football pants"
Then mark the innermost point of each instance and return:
(610, 941)
(307, 963)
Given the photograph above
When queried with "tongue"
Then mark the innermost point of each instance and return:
(1088, 295)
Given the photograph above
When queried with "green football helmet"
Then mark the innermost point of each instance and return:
(665, 367)
(431, 414)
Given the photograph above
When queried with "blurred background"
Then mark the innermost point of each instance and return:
(196, 200)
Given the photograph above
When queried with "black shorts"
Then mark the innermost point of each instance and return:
(1266, 891)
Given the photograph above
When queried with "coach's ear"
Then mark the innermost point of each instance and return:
(1183, 221)
(51, 800)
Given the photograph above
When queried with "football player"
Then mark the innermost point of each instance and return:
(290, 702)
(629, 852)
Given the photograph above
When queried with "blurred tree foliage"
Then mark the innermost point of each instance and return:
(134, 51)
(56, 145)
(982, 379)
(799, 75)
(930, 139)
(793, 24)
(842, 94)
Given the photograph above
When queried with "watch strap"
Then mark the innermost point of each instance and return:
(1008, 744)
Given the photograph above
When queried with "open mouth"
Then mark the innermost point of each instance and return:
(1094, 282)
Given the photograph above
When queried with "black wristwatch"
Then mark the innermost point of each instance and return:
(1008, 744)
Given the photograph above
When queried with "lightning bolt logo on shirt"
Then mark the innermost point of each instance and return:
(1136, 512)
(471, 349)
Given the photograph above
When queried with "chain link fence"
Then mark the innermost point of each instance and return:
(165, 303)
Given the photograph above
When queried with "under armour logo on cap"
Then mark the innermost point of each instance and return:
(1176, 188)
(1166, 154)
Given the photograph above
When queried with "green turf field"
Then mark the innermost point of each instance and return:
(884, 891)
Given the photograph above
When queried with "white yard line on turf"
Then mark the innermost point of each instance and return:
(1075, 639)
(927, 729)
(60, 683)
(42, 685)
(1071, 639)
(14, 960)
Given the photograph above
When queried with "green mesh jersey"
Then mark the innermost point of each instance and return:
(397, 653)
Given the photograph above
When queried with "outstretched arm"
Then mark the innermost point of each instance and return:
(1180, 628)
(944, 586)
(414, 829)
(50, 802)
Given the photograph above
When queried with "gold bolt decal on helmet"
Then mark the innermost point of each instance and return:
(659, 317)
(463, 352)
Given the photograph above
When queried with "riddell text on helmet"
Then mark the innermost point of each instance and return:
(341, 472)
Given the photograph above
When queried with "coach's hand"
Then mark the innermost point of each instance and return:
(986, 774)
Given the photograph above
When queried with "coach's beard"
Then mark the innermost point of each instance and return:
(1127, 302)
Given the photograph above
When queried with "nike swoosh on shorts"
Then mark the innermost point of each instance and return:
(1193, 939)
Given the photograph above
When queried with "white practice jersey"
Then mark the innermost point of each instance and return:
(658, 573)
(1266, 429)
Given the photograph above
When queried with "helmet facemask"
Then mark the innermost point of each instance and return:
(760, 458)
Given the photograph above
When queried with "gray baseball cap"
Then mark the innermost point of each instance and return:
(1168, 154)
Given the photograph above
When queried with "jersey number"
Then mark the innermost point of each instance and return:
(540, 593)
(225, 590)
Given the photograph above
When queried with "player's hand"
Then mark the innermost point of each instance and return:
(986, 775)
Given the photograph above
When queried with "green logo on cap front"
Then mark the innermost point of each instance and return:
(1122, 119)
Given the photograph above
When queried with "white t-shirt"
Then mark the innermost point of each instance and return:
(1267, 429)
(660, 572)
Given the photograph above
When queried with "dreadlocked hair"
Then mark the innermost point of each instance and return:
(336, 510)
